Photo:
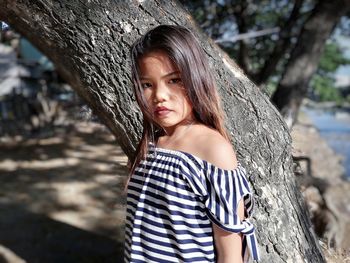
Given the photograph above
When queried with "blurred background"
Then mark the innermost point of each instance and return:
(62, 174)
(285, 49)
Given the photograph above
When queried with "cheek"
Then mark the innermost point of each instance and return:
(147, 98)
(185, 102)
(188, 105)
(147, 94)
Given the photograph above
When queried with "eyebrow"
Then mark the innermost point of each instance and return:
(165, 76)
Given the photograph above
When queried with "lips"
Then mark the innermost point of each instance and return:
(161, 111)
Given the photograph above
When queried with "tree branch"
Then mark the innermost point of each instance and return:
(282, 45)
(240, 13)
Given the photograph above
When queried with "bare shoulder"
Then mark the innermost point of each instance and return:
(211, 146)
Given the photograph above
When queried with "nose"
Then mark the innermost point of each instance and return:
(161, 93)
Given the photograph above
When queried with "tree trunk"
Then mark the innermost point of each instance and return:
(305, 56)
(282, 45)
(240, 13)
(89, 40)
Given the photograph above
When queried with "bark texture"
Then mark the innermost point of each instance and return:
(89, 40)
(305, 56)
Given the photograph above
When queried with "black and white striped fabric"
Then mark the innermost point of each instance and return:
(173, 198)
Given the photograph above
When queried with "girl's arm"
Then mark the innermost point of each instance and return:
(229, 245)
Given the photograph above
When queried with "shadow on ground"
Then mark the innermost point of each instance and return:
(37, 238)
(61, 197)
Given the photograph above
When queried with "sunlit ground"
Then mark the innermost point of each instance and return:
(61, 198)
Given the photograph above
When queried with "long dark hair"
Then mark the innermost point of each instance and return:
(185, 52)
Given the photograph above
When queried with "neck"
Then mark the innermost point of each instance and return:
(179, 128)
(176, 133)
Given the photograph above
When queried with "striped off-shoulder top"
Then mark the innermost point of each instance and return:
(173, 198)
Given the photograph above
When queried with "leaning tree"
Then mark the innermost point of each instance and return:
(88, 41)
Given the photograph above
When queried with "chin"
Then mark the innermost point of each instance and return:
(166, 124)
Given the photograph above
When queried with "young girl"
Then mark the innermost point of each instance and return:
(188, 197)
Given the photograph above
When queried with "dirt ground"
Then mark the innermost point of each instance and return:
(61, 198)
(326, 165)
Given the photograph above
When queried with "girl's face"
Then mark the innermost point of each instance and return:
(164, 91)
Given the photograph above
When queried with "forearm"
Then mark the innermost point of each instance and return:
(229, 245)
(230, 260)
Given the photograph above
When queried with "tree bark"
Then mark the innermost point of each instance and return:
(89, 40)
(305, 56)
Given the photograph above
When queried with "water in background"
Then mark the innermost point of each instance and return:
(334, 127)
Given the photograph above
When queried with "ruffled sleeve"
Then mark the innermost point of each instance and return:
(225, 188)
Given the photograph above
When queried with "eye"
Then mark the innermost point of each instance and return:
(146, 85)
(175, 81)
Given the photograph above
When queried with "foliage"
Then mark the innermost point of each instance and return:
(332, 58)
(271, 86)
(222, 19)
(324, 89)
(323, 83)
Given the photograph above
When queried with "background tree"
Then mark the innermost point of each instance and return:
(322, 86)
(89, 41)
(223, 20)
(286, 59)
(304, 58)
